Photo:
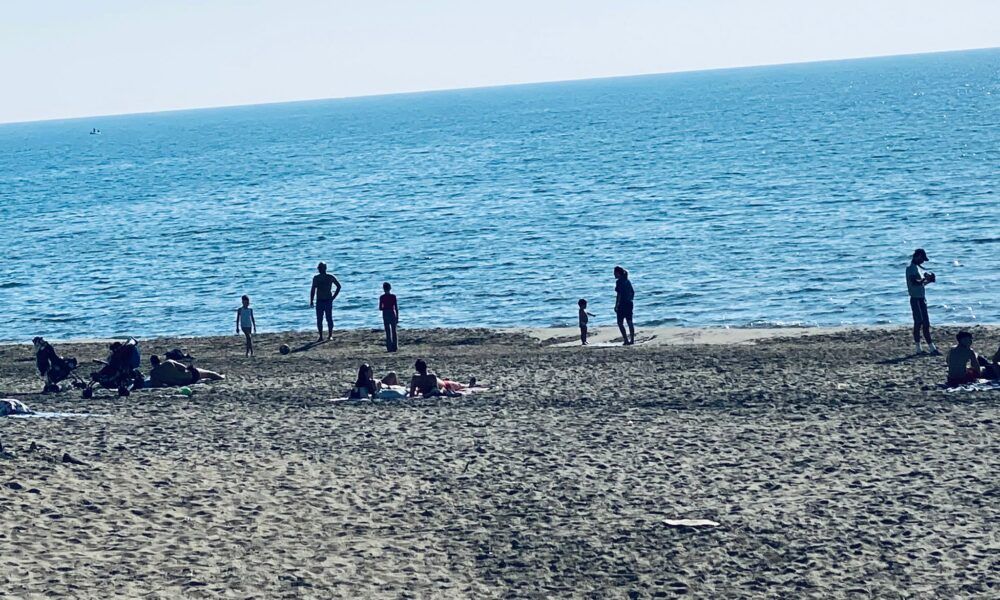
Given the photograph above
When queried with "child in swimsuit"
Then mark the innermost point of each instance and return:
(246, 322)
(584, 319)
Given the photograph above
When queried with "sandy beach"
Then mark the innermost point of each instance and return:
(832, 461)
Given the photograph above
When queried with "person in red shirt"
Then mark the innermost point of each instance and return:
(390, 317)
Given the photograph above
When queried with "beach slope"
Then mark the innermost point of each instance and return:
(832, 463)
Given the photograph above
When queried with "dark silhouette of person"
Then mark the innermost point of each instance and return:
(423, 382)
(624, 299)
(963, 362)
(584, 318)
(390, 317)
(916, 281)
(324, 295)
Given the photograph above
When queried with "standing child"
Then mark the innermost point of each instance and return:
(246, 322)
(390, 317)
(584, 319)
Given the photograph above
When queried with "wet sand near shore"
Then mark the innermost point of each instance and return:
(832, 462)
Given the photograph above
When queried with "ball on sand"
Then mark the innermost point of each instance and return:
(284, 349)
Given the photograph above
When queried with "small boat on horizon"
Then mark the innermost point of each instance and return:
(95, 131)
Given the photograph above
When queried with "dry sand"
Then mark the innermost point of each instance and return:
(833, 464)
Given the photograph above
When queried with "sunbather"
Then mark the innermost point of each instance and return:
(963, 363)
(429, 384)
(365, 385)
(170, 373)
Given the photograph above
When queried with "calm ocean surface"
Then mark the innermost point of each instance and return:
(788, 195)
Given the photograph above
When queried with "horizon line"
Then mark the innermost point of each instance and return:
(497, 85)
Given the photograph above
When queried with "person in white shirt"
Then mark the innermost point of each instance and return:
(916, 281)
(246, 322)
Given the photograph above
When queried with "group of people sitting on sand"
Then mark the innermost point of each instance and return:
(423, 383)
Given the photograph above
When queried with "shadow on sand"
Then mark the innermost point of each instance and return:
(308, 346)
(902, 359)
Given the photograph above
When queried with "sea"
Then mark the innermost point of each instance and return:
(786, 195)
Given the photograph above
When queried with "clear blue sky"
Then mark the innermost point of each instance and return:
(67, 58)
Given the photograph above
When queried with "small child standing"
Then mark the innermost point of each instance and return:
(584, 319)
(246, 322)
(390, 317)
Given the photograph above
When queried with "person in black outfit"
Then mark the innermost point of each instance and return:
(625, 295)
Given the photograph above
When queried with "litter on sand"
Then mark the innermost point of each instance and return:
(691, 523)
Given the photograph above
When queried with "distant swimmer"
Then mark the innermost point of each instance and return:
(916, 280)
(963, 362)
(322, 296)
(624, 303)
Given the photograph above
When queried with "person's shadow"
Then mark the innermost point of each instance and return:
(308, 346)
(901, 359)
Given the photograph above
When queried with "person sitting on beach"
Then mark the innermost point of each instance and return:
(170, 373)
(963, 363)
(991, 370)
(365, 385)
(429, 384)
(423, 382)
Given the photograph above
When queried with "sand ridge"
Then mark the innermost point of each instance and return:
(833, 464)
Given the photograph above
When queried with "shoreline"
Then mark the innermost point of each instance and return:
(561, 336)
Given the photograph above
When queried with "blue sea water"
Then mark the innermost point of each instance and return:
(774, 195)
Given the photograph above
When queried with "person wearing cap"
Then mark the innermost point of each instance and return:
(916, 281)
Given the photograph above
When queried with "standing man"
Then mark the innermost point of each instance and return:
(323, 294)
(916, 281)
(624, 297)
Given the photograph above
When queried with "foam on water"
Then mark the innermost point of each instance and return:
(780, 195)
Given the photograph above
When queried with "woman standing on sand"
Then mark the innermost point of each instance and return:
(624, 298)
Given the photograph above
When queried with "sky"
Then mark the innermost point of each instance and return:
(73, 58)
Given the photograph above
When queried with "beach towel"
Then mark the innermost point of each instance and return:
(391, 392)
(398, 392)
(983, 385)
(51, 415)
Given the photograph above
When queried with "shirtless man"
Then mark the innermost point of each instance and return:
(963, 363)
(322, 296)
(423, 382)
(170, 373)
